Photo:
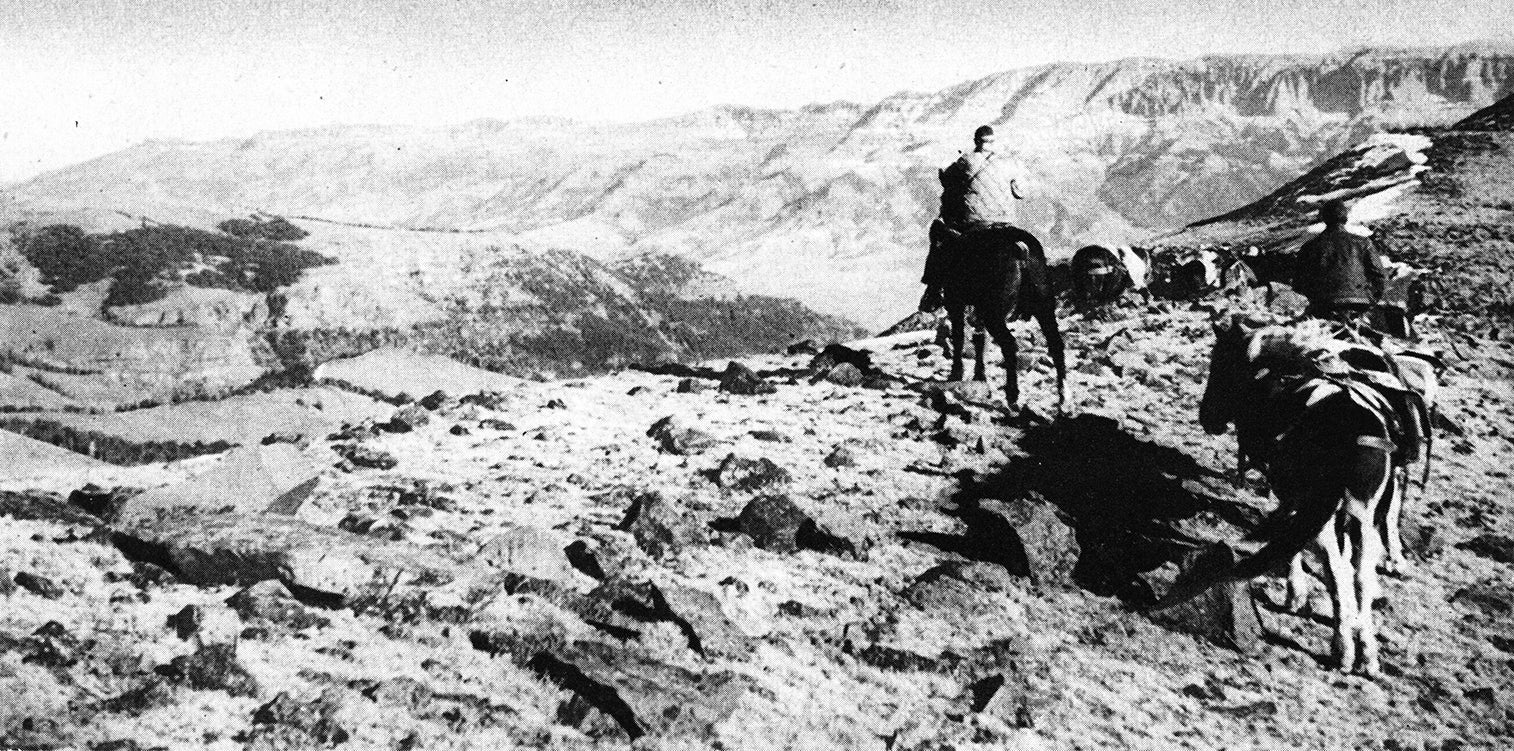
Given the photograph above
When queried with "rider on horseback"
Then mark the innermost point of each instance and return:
(977, 191)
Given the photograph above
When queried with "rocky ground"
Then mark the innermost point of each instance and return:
(831, 552)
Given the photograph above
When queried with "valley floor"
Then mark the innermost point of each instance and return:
(695, 626)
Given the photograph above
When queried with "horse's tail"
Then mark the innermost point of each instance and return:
(1301, 527)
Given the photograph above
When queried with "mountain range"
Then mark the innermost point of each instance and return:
(826, 203)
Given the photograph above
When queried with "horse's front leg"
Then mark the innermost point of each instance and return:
(956, 315)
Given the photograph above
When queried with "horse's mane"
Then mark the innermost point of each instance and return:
(1306, 348)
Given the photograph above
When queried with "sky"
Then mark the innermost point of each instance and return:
(80, 78)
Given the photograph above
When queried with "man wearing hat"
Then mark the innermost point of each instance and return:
(978, 190)
(1341, 273)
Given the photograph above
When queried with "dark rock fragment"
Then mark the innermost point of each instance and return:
(742, 380)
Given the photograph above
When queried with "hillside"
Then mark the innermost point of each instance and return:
(827, 203)
(1439, 198)
(520, 598)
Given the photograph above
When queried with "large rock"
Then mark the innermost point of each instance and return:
(1225, 613)
(271, 602)
(675, 436)
(1048, 544)
(643, 696)
(328, 566)
(737, 473)
(739, 379)
(529, 551)
(286, 722)
(274, 479)
(776, 523)
(661, 526)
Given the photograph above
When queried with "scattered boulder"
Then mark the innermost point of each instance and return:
(709, 630)
(407, 419)
(35, 506)
(643, 696)
(805, 347)
(842, 456)
(674, 437)
(1493, 547)
(318, 564)
(433, 400)
(1048, 544)
(459, 429)
(1225, 613)
(692, 386)
(270, 601)
(364, 456)
(211, 667)
(7, 583)
(286, 722)
(742, 380)
(661, 526)
(93, 500)
(736, 473)
(845, 374)
(490, 423)
(529, 551)
(776, 523)
(38, 585)
(273, 479)
(770, 436)
(839, 354)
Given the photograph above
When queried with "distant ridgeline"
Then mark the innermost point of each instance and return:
(586, 317)
(249, 255)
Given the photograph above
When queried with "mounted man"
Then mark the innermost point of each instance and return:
(977, 191)
(1341, 273)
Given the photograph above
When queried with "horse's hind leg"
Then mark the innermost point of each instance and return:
(1391, 527)
(979, 341)
(1339, 578)
(957, 315)
(1369, 554)
(1046, 316)
(999, 330)
(1298, 585)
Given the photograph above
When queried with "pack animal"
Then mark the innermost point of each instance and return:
(1326, 445)
(1001, 272)
(1100, 274)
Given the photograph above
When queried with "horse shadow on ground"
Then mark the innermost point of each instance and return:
(1123, 497)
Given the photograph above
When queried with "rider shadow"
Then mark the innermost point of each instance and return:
(1123, 497)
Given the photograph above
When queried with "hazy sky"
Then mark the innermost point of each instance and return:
(83, 77)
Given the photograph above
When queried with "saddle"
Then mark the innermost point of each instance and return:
(1373, 369)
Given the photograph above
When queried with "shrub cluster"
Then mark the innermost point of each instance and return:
(110, 448)
(144, 261)
(275, 228)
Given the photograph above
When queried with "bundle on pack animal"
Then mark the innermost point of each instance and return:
(1326, 445)
(1409, 381)
(1394, 315)
(1001, 272)
(1197, 273)
(1100, 274)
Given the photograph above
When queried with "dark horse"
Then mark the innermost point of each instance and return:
(1326, 447)
(1001, 272)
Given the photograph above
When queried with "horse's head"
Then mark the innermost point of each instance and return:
(1227, 375)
